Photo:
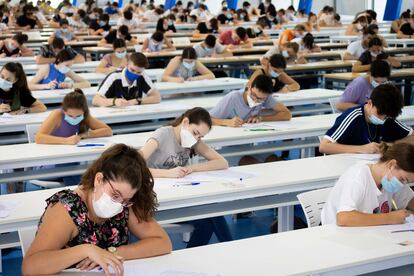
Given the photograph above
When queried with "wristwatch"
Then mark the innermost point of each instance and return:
(139, 101)
(113, 250)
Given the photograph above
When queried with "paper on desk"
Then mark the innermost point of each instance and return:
(104, 141)
(6, 117)
(368, 157)
(7, 208)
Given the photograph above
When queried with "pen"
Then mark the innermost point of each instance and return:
(91, 145)
(187, 184)
(401, 231)
(261, 129)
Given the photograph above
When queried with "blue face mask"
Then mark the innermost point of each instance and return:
(274, 74)
(120, 55)
(102, 23)
(131, 76)
(5, 85)
(374, 83)
(189, 66)
(74, 121)
(392, 185)
(375, 120)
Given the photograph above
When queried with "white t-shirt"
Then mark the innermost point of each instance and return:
(132, 24)
(355, 48)
(356, 190)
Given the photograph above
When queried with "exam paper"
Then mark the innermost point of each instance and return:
(7, 208)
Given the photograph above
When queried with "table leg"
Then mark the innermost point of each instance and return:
(285, 218)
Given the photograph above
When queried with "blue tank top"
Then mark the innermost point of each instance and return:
(54, 74)
(65, 129)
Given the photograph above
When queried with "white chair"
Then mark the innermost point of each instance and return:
(332, 103)
(181, 41)
(26, 236)
(312, 204)
(31, 130)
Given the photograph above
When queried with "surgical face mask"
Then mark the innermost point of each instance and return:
(64, 69)
(251, 102)
(131, 76)
(120, 55)
(187, 138)
(375, 120)
(274, 74)
(102, 23)
(74, 121)
(374, 54)
(189, 66)
(5, 85)
(285, 54)
(105, 207)
(242, 16)
(392, 185)
(65, 30)
(170, 23)
(10, 46)
(374, 83)
(208, 50)
(92, 16)
(229, 16)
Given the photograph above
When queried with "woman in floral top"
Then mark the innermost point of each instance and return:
(89, 226)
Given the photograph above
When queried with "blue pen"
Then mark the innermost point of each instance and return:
(91, 145)
(187, 184)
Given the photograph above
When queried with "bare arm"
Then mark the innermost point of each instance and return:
(97, 129)
(79, 81)
(44, 136)
(348, 56)
(205, 73)
(342, 106)
(328, 147)
(358, 67)
(37, 106)
(101, 68)
(153, 97)
(356, 218)
(42, 60)
(171, 68)
(214, 160)
(281, 113)
(290, 84)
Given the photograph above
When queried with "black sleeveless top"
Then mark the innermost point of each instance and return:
(277, 83)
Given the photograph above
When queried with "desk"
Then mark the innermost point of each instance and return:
(351, 38)
(88, 66)
(316, 66)
(406, 75)
(405, 42)
(262, 192)
(22, 60)
(323, 250)
(166, 109)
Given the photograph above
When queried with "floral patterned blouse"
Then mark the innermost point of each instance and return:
(113, 232)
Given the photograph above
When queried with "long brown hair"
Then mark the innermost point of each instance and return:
(403, 153)
(77, 100)
(196, 116)
(123, 163)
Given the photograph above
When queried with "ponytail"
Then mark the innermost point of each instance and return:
(403, 153)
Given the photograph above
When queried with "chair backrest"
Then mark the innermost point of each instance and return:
(31, 131)
(26, 236)
(332, 103)
(181, 40)
(312, 204)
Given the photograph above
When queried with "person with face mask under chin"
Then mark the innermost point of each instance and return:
(64, 32)
(89, 227)
(53, 76)
(375, 193)
(13, 47)
(275, 69)
(168, 152)
(15, 96)
(186, 68)
(362, 128)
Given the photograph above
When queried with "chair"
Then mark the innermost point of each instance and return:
(312, 204)
(332, 103)
(26, 236)
(31, 130)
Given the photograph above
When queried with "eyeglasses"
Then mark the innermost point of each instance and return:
(116, 197)
(256, 98)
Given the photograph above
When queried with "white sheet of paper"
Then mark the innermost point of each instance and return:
(7, 208)
(368, 157)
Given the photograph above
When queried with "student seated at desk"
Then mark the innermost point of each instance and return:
(15, 96)
(155, 43)
(63, 32)
(290, 34)
(307, 44)
(288, 50)
(186, 68)
(326, 16)
(373, 28)
(53, 76)
(100, 26)
(117, 60)
(128, 20)
(396, 24)
(359, 90)
(407, 29)
(89, 226)
(245, 105)
(374, 194)
(360, 129)
(168, 152)
(357, 48)
(375, 52)
(121, 33)
(165, 25)
(13, 47)
(258, 30)
(127, 87)
(231, 38)
(357, 26)
(28, 20)
(275, 69)
(208, 27)
(211, 48)
(312, 23)
(47, 53)
(71, 123)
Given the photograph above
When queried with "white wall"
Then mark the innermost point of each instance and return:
(351, 7)
(407, 4)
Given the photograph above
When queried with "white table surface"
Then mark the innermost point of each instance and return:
(22, 60)
(323, 250)
(166, 109)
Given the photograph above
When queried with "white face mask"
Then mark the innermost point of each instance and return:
(189, 66)
(105, 207)
(10, 46)
(187, 138)
(64, 69)
(285, 54)
(251, 103)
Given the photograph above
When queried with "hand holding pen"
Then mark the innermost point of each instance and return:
(236, 121)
